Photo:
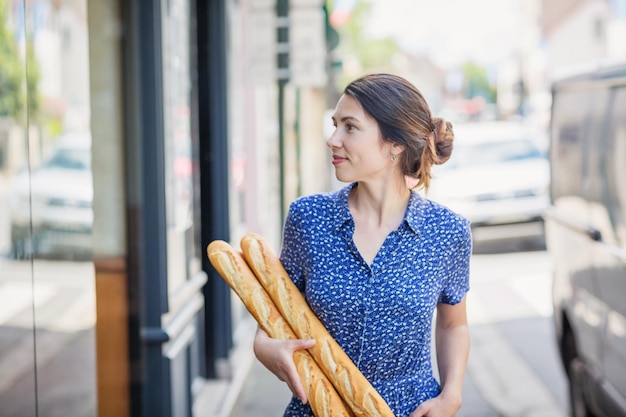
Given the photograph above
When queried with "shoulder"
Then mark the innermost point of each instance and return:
(434, 217)
(312, 201)
(317, 204)
(446, 215)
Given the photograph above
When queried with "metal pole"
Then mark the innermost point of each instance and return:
(298, 142)
(214, 174)
(282, 63)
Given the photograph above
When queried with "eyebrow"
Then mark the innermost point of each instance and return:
(343, 119)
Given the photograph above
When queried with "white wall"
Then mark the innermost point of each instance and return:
(579, 39)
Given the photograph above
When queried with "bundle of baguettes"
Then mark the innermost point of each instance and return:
(322, 396)
(354, 388)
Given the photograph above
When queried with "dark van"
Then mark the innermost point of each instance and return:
(586, 237)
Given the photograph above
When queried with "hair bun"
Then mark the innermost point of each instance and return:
(444, 137)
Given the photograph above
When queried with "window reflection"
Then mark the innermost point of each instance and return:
(50, 205)
(182, 257)
(47, 298)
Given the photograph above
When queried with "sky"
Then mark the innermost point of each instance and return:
(449, 31)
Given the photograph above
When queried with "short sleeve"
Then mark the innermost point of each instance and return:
(458, 271)
(293, 252)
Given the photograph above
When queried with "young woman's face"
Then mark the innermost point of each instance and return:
(359, 153)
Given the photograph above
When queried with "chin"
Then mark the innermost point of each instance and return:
(344, 178)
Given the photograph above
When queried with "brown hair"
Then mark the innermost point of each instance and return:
(404, 118)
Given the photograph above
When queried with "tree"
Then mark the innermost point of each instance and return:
(32, 82)
(11, 67)
(476, 83)
(371, 55)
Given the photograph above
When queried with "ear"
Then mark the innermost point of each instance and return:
(397, 149)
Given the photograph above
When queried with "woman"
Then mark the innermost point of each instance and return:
(375, 260)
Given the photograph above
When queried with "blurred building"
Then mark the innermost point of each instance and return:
(583, 32)
(557, 37)
(194, 135)
(522, 84)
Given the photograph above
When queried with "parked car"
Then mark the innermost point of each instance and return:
(586, 237)
(51, 206)
(497, 177)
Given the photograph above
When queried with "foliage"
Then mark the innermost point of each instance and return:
(476, 83)
(12, 68)
(11, 95)
(367, 54)
(32, 82)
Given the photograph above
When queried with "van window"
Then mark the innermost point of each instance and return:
(595, 143)
(616, 165)
(568, 130)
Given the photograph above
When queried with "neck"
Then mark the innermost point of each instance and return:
(380, 204)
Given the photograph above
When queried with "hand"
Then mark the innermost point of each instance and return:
(437, 407)
(277, 356)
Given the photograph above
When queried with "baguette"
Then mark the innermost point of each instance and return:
(322, 396)
(351, 384)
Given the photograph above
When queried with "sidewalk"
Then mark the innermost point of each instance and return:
(263, 395)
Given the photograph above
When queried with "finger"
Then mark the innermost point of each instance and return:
(300, 344)
(295, 385)
(298, 391)
(420, 411)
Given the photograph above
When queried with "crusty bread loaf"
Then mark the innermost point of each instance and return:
(351, 384)
(322, 396)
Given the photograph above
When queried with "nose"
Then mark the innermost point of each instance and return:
(333, 141)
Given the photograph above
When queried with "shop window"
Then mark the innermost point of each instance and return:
(47, 298)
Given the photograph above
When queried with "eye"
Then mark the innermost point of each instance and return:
(350, 127)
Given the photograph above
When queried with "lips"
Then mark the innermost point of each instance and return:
(338, 159)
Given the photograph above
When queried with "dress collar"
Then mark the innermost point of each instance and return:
(416, 210)
(342, 214)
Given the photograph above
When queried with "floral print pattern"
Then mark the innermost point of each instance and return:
(381, 314)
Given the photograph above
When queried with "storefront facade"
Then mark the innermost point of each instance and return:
(164, 138)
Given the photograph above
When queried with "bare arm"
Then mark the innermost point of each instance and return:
(452, 341)
(452, 346)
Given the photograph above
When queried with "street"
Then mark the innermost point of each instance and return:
(513, 370)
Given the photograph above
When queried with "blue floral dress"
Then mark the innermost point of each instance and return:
(380, 314)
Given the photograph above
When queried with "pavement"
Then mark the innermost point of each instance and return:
(61, 349)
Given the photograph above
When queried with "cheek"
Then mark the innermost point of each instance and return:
(379, 156)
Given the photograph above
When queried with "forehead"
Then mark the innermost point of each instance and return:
(348, 106)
